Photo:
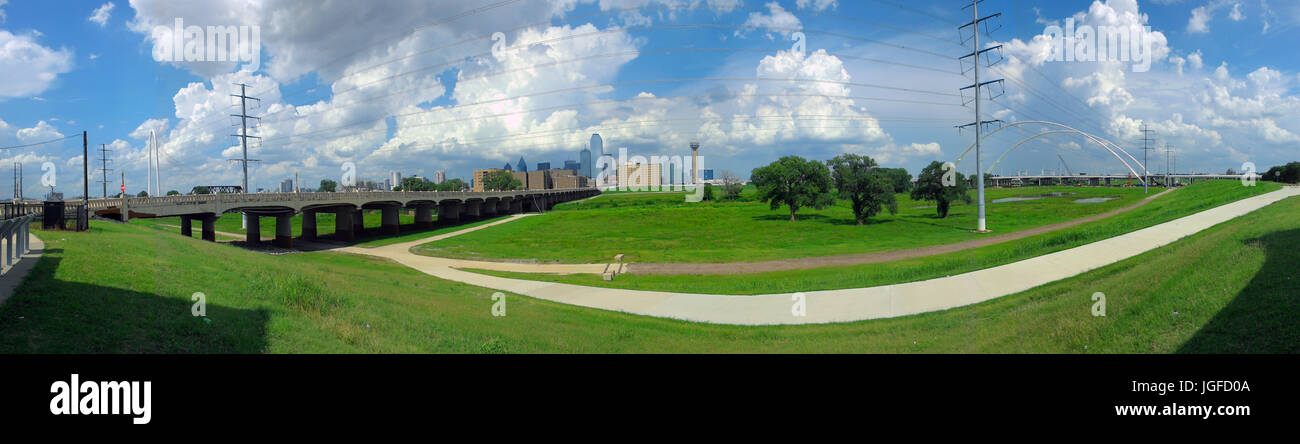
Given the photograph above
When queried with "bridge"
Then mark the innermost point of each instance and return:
(451, 207)
(1106, 179)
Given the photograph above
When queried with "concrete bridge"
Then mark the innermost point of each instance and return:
(347, 207)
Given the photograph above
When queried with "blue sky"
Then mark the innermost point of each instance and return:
(414, 86)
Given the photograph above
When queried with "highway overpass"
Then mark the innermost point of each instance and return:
(1104, 179)
(451, 207)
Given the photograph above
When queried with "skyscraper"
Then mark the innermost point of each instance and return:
(394, 180)
(508, 167)
(439, 176)
(543, 166)
(523, 166)
(573, 165)
(597, 145)
(584, 163)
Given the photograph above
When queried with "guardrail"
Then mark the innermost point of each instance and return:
(15, 233)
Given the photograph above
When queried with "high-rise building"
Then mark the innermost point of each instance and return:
(439, 176)
(584, 163)
(394, 180)
(508, 167)
(597, 144)
(543, 166)
(639, 176)
(572, 165)
(286, 186)
(706, 174)
(523, 166)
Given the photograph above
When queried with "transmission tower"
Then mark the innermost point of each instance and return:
(1169, 150)
(977, 87)
(1146, 146)
(104, 160)
(243, 134)
(18, 181)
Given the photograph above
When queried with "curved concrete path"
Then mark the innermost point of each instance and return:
(850, 304)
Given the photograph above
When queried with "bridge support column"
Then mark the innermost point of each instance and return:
(516, 206)
(503, 206)
(489, 209)
(343, 224)
(448, 213)
(284, 231)
(254, 230)
(187, 226)
(209, 231)
(472, 210)
(390, 221)
(424, 217)
(359, 223)
(308, 224)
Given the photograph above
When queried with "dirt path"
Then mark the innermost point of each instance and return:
(866, 258)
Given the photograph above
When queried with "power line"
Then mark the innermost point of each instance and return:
(36, 143)
(1146, 147)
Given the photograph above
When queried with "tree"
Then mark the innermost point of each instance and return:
(898, 178)
(930, 186)
(200, 190)
(173, 193)
(142, 193)
(501, 181)
(794, 182)
(327, 186)
(454, 184)
(708, 191)
(1289, 173)
(416, 184)
(870, 189)
(731, 185)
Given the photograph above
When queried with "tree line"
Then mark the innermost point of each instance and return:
(795, 182)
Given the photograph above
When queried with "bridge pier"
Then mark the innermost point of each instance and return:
(343, 224)
(489, 209)
(448, 213)
(503, 206)
(424, 216)
(359, 223)
(516, 206)
(284, 231)
(308, 224)
(472, 209)
(187, 226)
(209, 227)
(254, 231)
(390, 221)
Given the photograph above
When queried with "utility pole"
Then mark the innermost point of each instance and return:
(85, 182)
(103, 158)
(18, 181)
(243, 121)
(243, 136)
(977, 86)
(1146, 146)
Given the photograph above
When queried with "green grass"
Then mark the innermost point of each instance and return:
(126, 289)
(1180, 203)
(664, 228)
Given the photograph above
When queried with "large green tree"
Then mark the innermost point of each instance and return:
(1289, 173)
(868, 188)
(327, 186)
(501, 181)
(930, 186)
(899, 178)
(794, 182)
(454, 184)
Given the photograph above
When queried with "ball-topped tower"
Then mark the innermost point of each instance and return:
(695, 162)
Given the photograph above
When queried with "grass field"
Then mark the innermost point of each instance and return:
(1180, 203)
(127, 289)
(664, 228)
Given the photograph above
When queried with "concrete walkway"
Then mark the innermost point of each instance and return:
(13, 276)
(850, 304)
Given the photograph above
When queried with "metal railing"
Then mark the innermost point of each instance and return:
(15, 233)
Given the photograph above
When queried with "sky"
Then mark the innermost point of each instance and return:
(418, 86)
